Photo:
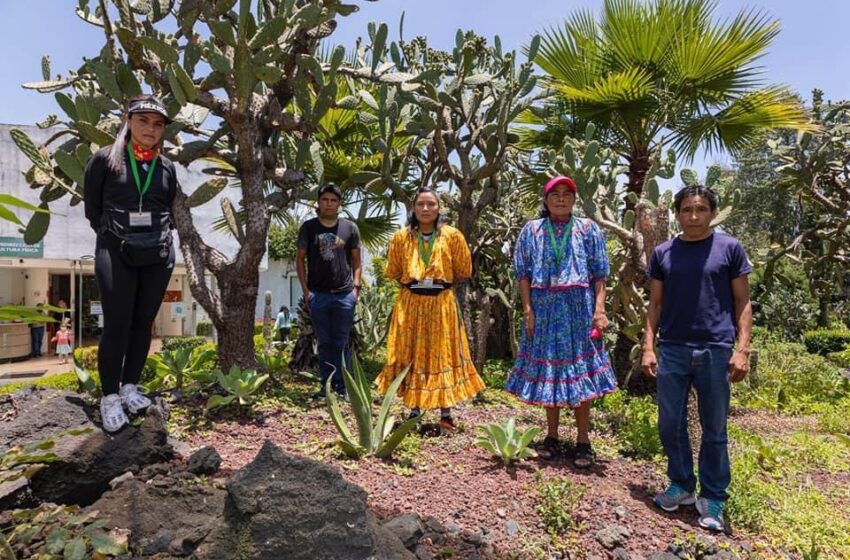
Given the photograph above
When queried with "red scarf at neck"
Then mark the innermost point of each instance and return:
(143, 155)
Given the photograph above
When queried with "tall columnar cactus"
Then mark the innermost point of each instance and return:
(244, 89)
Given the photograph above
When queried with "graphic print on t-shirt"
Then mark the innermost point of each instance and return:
(328, 243)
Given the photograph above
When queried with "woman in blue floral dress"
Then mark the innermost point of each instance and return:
(561, 266)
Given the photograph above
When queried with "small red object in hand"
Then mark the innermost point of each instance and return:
(595, 333)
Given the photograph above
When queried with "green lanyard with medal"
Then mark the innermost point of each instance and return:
(425, 255)
(558, 248)
(140, 219)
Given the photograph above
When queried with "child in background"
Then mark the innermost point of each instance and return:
(64, 338)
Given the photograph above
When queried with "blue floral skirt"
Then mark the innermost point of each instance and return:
(561, 366)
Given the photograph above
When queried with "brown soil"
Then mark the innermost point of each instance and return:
(474, 497)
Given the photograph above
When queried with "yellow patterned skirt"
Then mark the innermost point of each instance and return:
(426, 333)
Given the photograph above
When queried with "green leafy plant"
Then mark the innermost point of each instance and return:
(241, 386)
(173, 368)
(379, 438)
(273, 362)
(826, 341)
(374, 309)
(23, 461)
(204, 328)
(507, 442)
(87, 357)
(178, 342)
(495, 373)
(85, 382)
(634, 421)
(52, 531)
(557, 499)
(841, 359)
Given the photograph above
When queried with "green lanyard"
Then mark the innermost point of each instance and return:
(424, 254)
(559, 248)
(141, 188)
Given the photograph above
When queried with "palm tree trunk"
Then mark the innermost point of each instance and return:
(639, 164)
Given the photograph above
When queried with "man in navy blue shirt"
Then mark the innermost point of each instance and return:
(699, 305)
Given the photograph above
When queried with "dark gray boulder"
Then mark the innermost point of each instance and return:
(86, 462)
(204, 461)
(284, 506)
(163, 515)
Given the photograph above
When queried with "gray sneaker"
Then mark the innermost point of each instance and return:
(711, 514)
(673, 497)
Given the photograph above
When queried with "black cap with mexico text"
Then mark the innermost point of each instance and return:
(148, 106)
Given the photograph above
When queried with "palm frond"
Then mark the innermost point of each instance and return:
(572, 54)
(734, 126)
(375, 231)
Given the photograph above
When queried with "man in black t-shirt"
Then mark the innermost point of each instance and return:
(328, 265)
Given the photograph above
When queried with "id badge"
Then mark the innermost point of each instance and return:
(553, 280)
(140, 219)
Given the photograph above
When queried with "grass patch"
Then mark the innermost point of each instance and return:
(772, 493)
(406, 459)
(62, 381)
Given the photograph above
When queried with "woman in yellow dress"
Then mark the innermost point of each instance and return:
(426, 332)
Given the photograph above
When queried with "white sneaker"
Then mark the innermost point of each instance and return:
(112, 413)
(135, 401)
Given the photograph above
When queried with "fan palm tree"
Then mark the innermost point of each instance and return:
(660, 74)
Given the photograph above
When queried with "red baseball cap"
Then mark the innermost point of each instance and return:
(560, 180)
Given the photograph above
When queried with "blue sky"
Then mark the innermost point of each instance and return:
(810, 52)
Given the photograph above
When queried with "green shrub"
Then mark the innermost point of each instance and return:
(634, 422)
(833, 418)
(258, 329)
(841, 359)
(787, 307)
(556, 503)
(87, 357)
(63, 381)
(826, 341)
(763, 335)
(178, 342)
(495, 374)
(791, 380)
(204, 328)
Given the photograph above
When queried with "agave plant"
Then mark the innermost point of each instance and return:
(507, 442)
(174, 367)
(379, 439)
(241, 384)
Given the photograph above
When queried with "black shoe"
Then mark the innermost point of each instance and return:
(317, 396)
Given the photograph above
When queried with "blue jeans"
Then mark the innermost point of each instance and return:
(333, 316)
(37, 336)
(706, 368)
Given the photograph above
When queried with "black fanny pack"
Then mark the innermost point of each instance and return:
(140, 247)
(145, 248)
(435, 289)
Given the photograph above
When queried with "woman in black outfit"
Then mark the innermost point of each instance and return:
(129, 188)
